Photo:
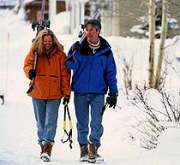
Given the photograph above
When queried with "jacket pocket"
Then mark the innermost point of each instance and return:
(55, 86)
(40, 86)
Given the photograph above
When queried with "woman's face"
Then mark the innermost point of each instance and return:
(47, 42)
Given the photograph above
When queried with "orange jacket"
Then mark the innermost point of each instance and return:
(52, 79)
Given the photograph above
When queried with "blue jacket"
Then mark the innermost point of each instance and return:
(93, 73)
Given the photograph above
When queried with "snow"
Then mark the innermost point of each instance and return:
(173, 23)
(18, 144)
(138, 29)
(62, 22)
(8, 2)
(28, 1)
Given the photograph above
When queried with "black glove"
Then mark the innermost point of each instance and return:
(112, 100)
(32, 73)
(66, 100)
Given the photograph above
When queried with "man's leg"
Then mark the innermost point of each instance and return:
(82, 114)
(97, 103)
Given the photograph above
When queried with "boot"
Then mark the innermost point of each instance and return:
(92, 153)
(83, 153)
(46, 155)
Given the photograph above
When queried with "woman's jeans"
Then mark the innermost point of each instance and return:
(85, 103)
(46, 115)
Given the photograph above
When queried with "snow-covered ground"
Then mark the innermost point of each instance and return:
(17, 125)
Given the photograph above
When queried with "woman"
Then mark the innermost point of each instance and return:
(51, 83)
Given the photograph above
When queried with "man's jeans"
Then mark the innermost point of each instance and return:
(82, 104)
(46, 114)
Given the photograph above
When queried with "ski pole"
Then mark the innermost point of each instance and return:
(67, 124)
(2, 98)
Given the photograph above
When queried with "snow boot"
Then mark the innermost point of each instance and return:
(92, 151)
(46, 155)
(83, 153)
(93, 156)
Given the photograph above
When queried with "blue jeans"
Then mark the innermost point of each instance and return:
(46, 115)
(83, 104)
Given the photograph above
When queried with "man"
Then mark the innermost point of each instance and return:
(94, 73)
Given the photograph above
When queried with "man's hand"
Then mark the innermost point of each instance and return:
(112, 100)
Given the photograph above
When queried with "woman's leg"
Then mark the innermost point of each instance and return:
(52, 108)
(39, 112)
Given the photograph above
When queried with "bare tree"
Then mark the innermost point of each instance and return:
(162, 43)
(151, 46)
(52, 12)
(18, 6)
(127, 74)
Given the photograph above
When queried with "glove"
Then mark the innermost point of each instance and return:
(66, 100)
(111, 100)
(32, 73)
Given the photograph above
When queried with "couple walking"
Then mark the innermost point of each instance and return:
(94, 74)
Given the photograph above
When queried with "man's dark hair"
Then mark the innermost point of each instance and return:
(93, 22)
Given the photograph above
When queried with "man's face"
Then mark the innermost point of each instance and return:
(92, 33)
(47, 42)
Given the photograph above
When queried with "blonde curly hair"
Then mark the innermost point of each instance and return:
(38, 41)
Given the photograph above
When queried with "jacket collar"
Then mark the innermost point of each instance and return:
(86, 50)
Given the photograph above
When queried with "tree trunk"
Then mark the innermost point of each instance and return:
(151, 38)
(52, 12)
(106, 18)
(116, 18)
(162, 43)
